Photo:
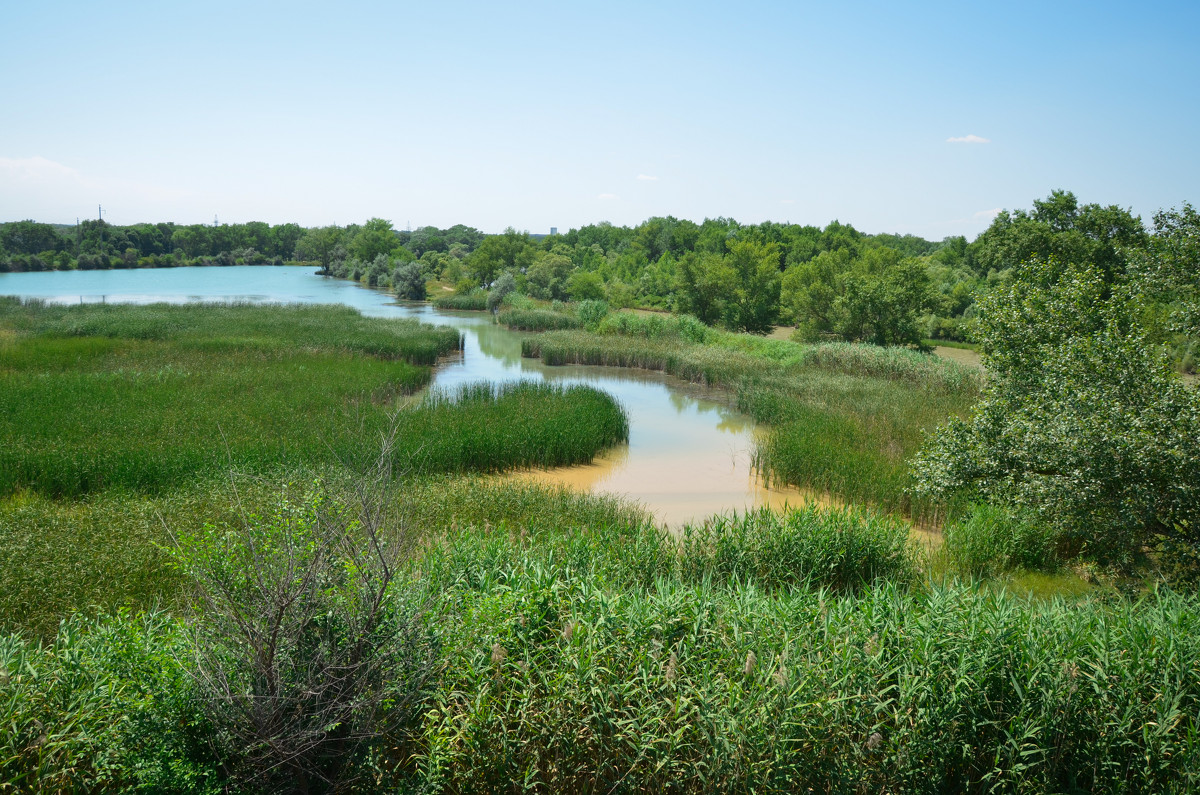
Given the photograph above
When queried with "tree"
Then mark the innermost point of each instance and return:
(585, 286)
(319, 245)
(703, 282)
(810, 289)
(1169, 269)
(754, 302)
(408, 281)
(1081, 421)
(547, 278)
(511, 251)
(373, 238)
(30, 237)
(504, 285)
(1060, 227)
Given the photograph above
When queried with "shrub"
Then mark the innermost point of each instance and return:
(992, 540)
(474, 300)
(591, 312)
(536, 320)
(842, 549)
(307, 651)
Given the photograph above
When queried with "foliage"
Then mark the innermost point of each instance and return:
(654, 326)
(877, 297)
(563, 674)
(307, 651)
(1060, 227)
(408, 281)
(1169, 269)
(537, 319)
(107, 704)
(591, 313)
(990, 541)
(473, 300)
(503, 286)
(812, 547)
(1080, 422)
(753, 303)
(145, 397)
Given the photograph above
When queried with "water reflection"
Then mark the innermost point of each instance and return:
(689, 452)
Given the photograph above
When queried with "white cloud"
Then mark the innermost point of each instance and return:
(36, 169)
(787, 201)
(969, 139)
(988, 213)
(608, 196)
(647, 178)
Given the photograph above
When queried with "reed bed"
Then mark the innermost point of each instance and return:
(562, 676)
(533, 319)
(843, 550)
(145, 398)
(263, 328)
(474, 301)
(603, 654)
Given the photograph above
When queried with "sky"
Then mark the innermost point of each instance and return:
(910, 118)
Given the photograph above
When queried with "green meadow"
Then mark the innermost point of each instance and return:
(246, 551)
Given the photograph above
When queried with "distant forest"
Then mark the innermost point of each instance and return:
(830, 283)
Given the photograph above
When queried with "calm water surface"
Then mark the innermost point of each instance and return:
(688, 454)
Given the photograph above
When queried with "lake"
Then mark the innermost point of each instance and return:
(689, 452)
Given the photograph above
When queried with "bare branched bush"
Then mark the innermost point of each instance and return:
(308, 650)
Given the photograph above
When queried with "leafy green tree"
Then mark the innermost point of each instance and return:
(1081, 421)
(703, 283)
(31, 237)
(373, 238)
(884, 298)
(408, 281)
(1062, 228)
(319, 244)
(1169, 269)
(547, 278)
(511, 251)
(753, 304)
(585, 286)
(810, 290)
(283, 240)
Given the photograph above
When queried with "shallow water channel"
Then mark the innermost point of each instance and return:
(688, 455)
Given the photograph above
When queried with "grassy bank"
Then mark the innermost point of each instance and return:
(578, 648)
(843, 418)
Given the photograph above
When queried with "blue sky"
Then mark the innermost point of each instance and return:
(535, 115)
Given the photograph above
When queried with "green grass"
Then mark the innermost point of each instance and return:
(840, 549)
(582, 649)
(534, 319)
(569, 671)
(475, 301)
(145, 398)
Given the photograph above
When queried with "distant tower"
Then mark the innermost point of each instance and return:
(214, 219)
(554, 230)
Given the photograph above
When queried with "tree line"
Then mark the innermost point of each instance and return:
(831, 283)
